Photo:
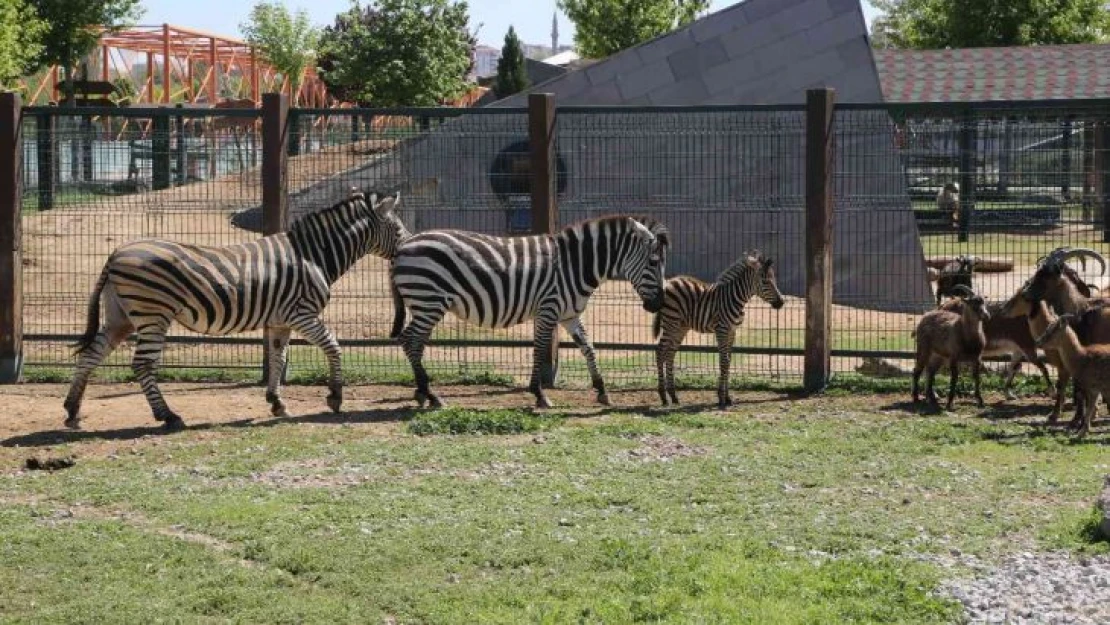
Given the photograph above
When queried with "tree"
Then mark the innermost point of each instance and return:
(73, 29)
(20, 41)
(934, 24)
(512, 75)
(288, 42)
(605, 27)
(398, 53)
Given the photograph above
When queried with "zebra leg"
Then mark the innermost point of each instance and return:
(413, 339)
(577, 331)
(541, 369)
(660, 370)
(148, 352)
(668, 344)
(279, 342)
(315, 332)
(726, 335)
(107, 340)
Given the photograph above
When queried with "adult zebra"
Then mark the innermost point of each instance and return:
(690, 304)
(280, 282)
(499, 282)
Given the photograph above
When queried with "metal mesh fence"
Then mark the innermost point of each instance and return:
(100, 178)
(724, 180)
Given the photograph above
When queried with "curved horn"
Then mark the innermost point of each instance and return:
(1081, 253)
(962, 288)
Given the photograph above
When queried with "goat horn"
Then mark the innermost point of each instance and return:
(1082, 253)
(960, 288)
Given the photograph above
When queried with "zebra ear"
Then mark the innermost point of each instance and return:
(643, 231)
(386, 206)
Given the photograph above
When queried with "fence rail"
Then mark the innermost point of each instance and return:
(861, 198)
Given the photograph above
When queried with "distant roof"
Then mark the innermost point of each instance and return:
(562, 58)
(1015, 73)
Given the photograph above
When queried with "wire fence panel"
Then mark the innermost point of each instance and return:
(724, 180)
(95, 181)
(1028, 178)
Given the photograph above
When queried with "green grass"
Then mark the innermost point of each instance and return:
(781, 511)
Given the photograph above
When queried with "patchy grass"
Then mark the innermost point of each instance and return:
(468, 421)
(783, 510)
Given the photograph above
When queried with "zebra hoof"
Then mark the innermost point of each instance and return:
(73, 423)
(173, 423)
(335, 402)
(543, 402)
(663, 399)
(278, 410)
(603, 399)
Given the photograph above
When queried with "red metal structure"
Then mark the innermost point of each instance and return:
(183, 65)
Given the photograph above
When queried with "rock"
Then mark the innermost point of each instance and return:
(1104, 506)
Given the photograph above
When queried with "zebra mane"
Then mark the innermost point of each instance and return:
(739, 267)
(655, 226)
(323, 215)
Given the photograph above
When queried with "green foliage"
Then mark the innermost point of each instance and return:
(934, 24)
(20, 40)
(466, 421)
(398, 52)
(512, 75)
(287, 41)
(605, 27)
(73, 28)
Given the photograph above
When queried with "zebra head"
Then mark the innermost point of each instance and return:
(387, 229)
(767, 287)
(644, 263)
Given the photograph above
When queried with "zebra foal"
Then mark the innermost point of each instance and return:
(690, 304)
(280, 282)
(500, 282)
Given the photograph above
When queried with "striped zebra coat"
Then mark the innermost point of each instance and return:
(280, 282)
(718, 308)
(500, 282)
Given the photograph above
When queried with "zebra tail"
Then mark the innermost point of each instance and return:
(92, 319)
(656, 324)
(398, 311)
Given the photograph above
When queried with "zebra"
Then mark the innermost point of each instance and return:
(690, 304)
(280, 282)
(500, 282)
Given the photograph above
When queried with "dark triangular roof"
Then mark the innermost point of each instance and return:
(754, 52)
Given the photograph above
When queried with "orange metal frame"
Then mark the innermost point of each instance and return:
(174, 54)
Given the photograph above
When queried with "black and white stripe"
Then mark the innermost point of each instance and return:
(280, 282)
(718, 308)
(499, 282)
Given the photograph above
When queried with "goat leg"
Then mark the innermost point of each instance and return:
(954, 374)
(976, 372)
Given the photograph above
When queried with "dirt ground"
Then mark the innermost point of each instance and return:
(117, 415)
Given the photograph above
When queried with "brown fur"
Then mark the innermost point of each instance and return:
(946, 336)
(1088, 364)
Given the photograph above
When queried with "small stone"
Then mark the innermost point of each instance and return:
(565, 522)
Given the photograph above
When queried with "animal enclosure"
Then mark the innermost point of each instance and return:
(725, 179)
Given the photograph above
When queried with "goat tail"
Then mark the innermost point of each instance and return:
(398, 310)
(92, 315)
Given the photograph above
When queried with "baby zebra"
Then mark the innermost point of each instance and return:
(279, 283)
(690, 304)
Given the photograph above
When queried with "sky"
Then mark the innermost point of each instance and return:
(531, 18)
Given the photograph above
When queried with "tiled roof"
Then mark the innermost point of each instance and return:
(974, 74)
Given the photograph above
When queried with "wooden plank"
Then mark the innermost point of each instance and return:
(275, 183)
(819, 224)
(161, 152)
(11, 234)
(968, 171)
(541, 141)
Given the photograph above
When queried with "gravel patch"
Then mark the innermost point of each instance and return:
(1028, 587)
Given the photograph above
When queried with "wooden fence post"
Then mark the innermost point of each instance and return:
(968, 173)
(275, 191)
(819, 223)
(160, 150)
(181, 151)
(11, 254)
(541, 141)
(46, 150)
(1065, 158)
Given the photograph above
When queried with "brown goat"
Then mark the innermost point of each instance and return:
(1089, 365)
(1009, 336)
(952, 337)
